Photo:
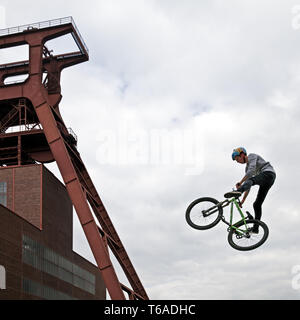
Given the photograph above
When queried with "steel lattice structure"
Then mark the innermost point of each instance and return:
(33, 105)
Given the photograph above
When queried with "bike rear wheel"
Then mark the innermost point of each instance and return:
(203, 213)
(242, 239)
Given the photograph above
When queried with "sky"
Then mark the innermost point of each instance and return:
(170, 89)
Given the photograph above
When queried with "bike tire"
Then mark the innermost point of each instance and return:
(209, 202)
(263, 230)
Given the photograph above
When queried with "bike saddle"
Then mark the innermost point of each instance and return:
(233, 194)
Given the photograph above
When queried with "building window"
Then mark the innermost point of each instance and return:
(39, 290)
(3, 193)
(48, 261)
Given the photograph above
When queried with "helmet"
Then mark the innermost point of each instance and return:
(238, 151)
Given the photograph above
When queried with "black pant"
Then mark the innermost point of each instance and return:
(265, 181)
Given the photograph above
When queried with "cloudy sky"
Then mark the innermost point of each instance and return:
(170, 89)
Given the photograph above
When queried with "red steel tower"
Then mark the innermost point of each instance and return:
(32, 105)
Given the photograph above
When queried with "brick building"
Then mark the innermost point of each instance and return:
(36, 235)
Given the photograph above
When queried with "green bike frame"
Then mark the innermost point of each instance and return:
(233, 202)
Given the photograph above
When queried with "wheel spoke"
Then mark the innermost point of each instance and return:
(245, 239)
(203, 213)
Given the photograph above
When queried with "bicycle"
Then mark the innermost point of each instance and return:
(205, 213)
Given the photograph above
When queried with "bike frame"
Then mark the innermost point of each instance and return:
(232, 202)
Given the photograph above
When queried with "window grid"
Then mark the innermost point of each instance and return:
(3, 193)
(37, 289)
(48, 261)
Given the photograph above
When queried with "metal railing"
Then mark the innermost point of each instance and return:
(43, 25)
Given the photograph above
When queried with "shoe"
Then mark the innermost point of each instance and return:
(233, 194)
(254, 230)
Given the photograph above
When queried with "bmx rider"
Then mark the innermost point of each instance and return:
(258, 172)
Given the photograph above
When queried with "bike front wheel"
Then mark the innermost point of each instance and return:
(203, 213)
(242, 238)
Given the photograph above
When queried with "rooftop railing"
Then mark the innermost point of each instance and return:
(43, 25)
